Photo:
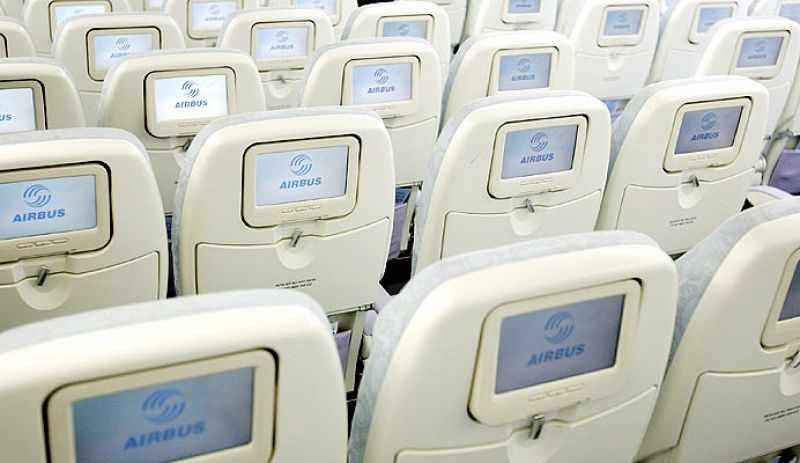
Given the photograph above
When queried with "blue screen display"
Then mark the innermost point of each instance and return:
(708, 130)
(524, 72)
(539, 151)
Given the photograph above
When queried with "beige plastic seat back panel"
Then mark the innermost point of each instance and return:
(15, 42)
(202, 20)
(509, 15)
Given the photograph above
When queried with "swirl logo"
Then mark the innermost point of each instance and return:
(37, 195)
(760, 46)
(190, 89)
(381, 76)
(214, 9)
(623, 17)
(78, 11)
(281, 36)
(539, 141)
(709, 121)
(403, 29)
(524, 65)
(559, 327)
(123, 44)
(301, 165)
(163, 406)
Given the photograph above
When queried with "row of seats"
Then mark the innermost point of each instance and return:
(563, 349)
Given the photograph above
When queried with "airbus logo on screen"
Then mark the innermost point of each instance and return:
(623, 21)
(191, 90)
(538, 143)
(524, 66)
(281, 37)
(707, 122)
(403, 29)
(215, 13)
(163, 407)
(123, 46)
(300, 166)
(759, 49)
(557, 330)
(38, 196)
(381, 76)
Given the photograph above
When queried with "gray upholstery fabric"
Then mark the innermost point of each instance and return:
(218, 124)
(394, 319)
(443, 142)
(620, 129)
(98, 320)
(697, 268)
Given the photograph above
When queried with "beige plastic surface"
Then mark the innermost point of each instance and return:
(36, 18)
(310, 418)
(492, 16)
(412, 135)
(721, 54)
(680, 47)
(135, 255)
(421, 412)
(62, 105)
(343, 10)
(464, 216)
(123, 104)
(281, 83)
(16, 41)
(477, 67)
(456, 14)
(179, 11)
(642, 196)
(722, 373)
(367, 22)
(609, 71)
(12, 8)
(71, 47)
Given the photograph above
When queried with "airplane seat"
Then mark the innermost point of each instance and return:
(281, 41)
(165, 97)
(456, 16)
(685, 29)
(510, 169)
(37, 94)
(202, 20)
(337, 10)
(89, 45)
(15, 41)
(737, 336)
(509, 15)
(297, 198)
(421, 19)
(237, 377)
(784, 8)
(43, 17)
(510, 354)
(81, 224)
(501, 63)
(11, 8)
(615, 42)
(682, 158)
(399, 79)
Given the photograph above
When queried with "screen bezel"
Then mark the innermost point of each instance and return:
(204, 34)
(69, 242)
(185, 128)
(697, 37)
(100, 75)
(38, 100)
(428, 19)
(501, 188)
(314, 209)
(3, 47)
(51, 9)
(297, 62)
(622, 40)
(513, 18)
(59, 406)
(385, 110)
(760, 72)
(776, 332)
(492, 408)
(708, 158)
(494, 77)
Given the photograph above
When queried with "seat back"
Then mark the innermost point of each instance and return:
(789, 9)
(737, 337)
(281, 41)
(424, 20)
(509, 15)
(456, 15)
(15, 42)
(508, 62)
(246, 377)
(80, 214)
(37, 94)
(202, 20)
(337, 10)
(508, 169)
(164, 98)
(398, 78)
(682, 158)
(764, 49)
(510, 354)
(11, 8)
(89, 45)
(685, 30)
(615, 41)
(42, 17)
